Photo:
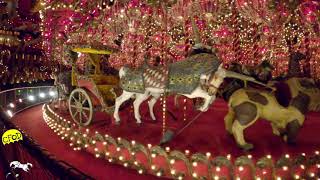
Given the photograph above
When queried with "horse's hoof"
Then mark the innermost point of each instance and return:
(203, 109)
(117, 123)
(139, 123)
(247, 147)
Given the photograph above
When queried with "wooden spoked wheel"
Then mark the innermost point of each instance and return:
(80, 107)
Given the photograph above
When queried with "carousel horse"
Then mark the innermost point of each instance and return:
(25, 167)
(199, 76)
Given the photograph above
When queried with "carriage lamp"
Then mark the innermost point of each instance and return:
(31, 97)
(9, 112)
(42, 95)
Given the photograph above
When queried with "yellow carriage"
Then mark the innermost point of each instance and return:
(93, 92)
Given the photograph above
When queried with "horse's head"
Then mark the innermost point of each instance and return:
(29, 164)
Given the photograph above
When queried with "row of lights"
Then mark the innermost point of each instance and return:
(55, 125)
(31, 98)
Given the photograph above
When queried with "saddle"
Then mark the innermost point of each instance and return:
(180, 77)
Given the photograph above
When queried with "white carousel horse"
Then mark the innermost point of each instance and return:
(199, 76)
(156, 92)
(17, 164)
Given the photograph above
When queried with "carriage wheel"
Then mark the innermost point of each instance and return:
(80, 107)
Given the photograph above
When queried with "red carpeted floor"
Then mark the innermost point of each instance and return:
(206, 134)
(32, 123)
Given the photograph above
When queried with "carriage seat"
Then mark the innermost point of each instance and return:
(104, 79)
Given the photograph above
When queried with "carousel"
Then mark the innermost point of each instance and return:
(181, 89)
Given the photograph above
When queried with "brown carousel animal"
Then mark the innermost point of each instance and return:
(247, 105)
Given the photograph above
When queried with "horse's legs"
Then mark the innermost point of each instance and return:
(207, 101)
(202, 94)
(119, 100)
(136, 104)
(151, 103)
(228, 120)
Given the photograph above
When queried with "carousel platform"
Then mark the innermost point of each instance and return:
(104, 150)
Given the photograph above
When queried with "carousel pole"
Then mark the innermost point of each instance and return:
(164, 107)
